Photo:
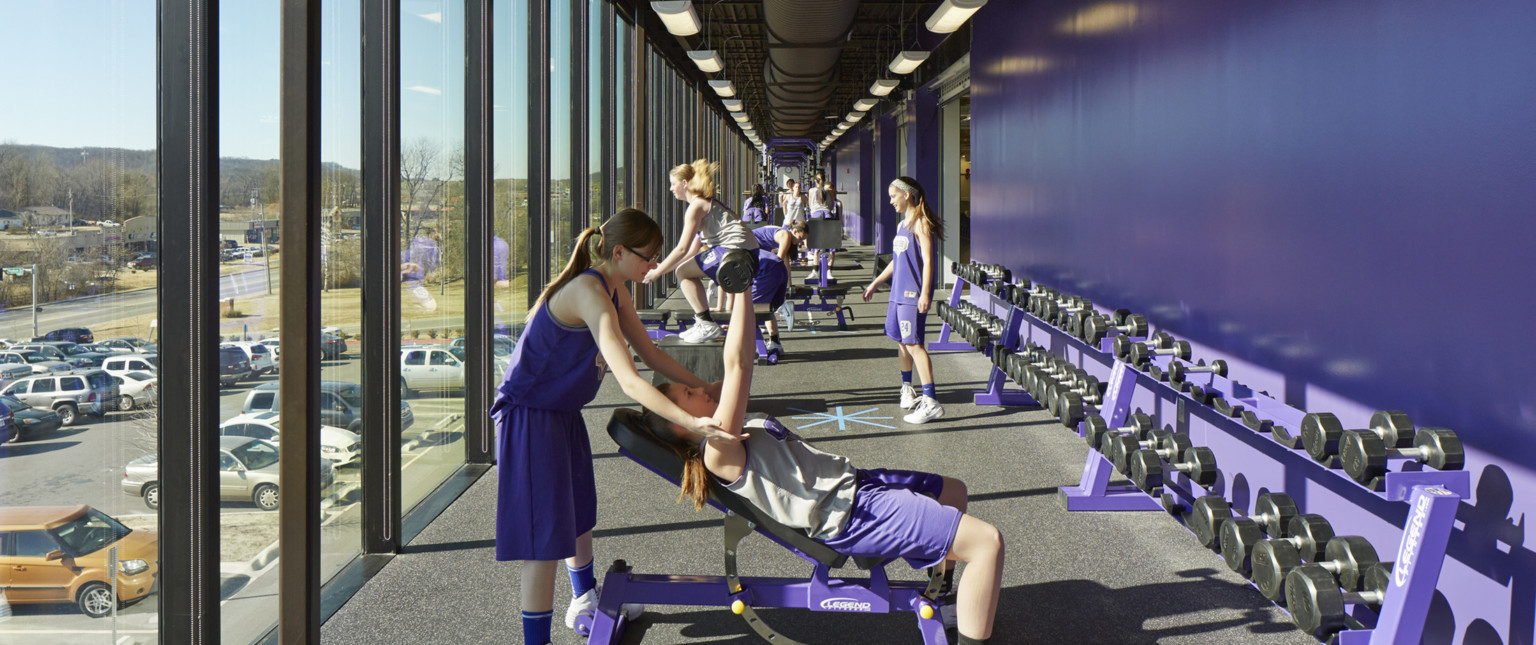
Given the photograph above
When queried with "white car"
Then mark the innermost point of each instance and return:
(261, 356)
(125, 363)
(271, 344)
(338, 446)
(136, 389)
(431, 368)
(37, 362)
(125, 345)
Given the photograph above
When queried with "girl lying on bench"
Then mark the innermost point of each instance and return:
(863, 513)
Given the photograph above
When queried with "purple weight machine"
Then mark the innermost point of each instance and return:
(742, 595)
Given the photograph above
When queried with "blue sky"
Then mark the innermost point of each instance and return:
(90, 78)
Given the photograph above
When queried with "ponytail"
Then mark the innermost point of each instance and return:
(694, 485)
(630, 227)
(581, 260)
(700, 176)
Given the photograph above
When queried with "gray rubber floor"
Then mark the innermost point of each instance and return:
(1069, 578)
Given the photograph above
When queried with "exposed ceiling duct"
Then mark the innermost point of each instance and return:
(805, 41)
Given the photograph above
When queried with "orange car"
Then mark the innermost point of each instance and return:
(58, 554)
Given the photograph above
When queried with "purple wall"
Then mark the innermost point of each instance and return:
(851, 174)
(1340, 195)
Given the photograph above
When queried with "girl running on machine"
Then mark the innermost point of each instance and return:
(863, 513)
(732, 259)
(585, 320)
(913, 265)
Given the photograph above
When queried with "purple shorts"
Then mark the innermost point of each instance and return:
(896, 514)
(546, 496)
(904, 325)
(771, 284)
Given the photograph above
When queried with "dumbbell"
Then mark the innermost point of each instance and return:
(1123, 343)
(1321, 431)
(1178, 370)
(1095, 427)
(1096, 328)
(735, 272)
(1120, 447)
(1317, 603)
(1198, 462)
(1346, 557)
(1071, 404)
(1305, 536)
(1271, 517)
(1143, 352)
(1211, 518)
(1365, 454)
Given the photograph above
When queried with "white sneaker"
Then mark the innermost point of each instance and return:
(908, 396)
(773, 347)
(701, 331)
(927, 410)
(587, 604)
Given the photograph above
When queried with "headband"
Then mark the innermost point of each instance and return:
(904, 186)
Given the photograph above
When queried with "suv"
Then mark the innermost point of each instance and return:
(53, 351)
(124, 363)
(125, 345)
(59, 554)
(38, 363)
(258, 354)
(233, 365)
(145, 261)
(341, 404)
(247, 472)
(71, 334)
(90, 391)
(431, 368)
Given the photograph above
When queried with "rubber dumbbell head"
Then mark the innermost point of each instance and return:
(1120, 447)
(1096, 328)
(1365, 454)
(1198, 462)
(1178, 370)
(1317, 601)
(1306, 537)
(1272, 514)
(1095, 427)
(1347, 557)
(1144, 351)
(1321, 432)
(735, 271)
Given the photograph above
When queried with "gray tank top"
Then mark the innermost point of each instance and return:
(800, 486)
(722, 228)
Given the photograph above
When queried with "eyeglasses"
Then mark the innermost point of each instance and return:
(656, 259)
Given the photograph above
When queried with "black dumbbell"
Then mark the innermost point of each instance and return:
(1317, 602)
(1095, 427)
(1365, 454)
(1346, 557)
(1306, 535)
(1211, 516)
(1120, 447)
(1271, 517)
(1143, 352)
(1096, 328)
(1321, 431)
(1198, 462)
(1072, 404)
(1178, 370)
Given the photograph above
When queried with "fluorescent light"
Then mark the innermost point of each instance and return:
(723, 88)
(855, 116)
(906, 62)
(865, 105)
(732, 105)
(953, 13)
(881, 87)
(707, 60)
(678, 16)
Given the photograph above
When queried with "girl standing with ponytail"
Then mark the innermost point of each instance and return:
(546, 497)
(717, 227)
(913, 265)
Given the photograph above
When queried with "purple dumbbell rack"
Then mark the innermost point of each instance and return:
(944, 344)
(1432, 498)
(997, 381)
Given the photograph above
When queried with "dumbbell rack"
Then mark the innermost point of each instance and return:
(945, 344)
(1432, 497)
(997, 381)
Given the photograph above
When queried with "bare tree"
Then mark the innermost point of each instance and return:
(420, 162)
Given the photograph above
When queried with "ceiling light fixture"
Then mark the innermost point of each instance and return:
(881, 87)
(855, 117)
(723, 88)
(865, 105)
(906, 62)
(678, 16)
(707, 60)
(733, 105)
(741, 117)
(953, 13)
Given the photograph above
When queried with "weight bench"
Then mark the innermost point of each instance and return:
(822, 592)
(831, 300)
(657, 320)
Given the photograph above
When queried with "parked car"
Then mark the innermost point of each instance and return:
(500, 345)
(277, 359)
(258, 354)
(124, 363)
(37, 362)
(9, 432)
(89, 359)
(332, 347)
(247, 473)
(431, 368)
(341, 404)
(30, 422)
(233, 366)
(12, 372)
(143, 262)
(71, 334)
(50, 351)
(91, 392)
(126, 345)
(136, 389)
(59, 554)
(338, 446)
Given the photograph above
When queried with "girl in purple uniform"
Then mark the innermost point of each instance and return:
(546, 502)
(707, 222)
(882, 513)
(912, 264)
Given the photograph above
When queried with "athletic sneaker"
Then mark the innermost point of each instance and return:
(586, 605)
(773, 347)
(908, 396)
(701, 331)
(927, 410)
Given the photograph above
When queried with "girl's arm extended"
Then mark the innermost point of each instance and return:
(692, 218)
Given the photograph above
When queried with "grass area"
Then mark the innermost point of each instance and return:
(241, 535)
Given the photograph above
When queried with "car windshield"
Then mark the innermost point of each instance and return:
(33, 357)
(256, 455)
(90, 533)
(458, 352)
(71, 350)
(352, 394)
(140, 376)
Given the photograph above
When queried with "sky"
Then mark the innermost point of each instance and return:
(96, 87)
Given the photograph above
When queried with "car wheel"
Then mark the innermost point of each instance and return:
(356, 427)
(125, 403)
(67, 414)
(265, 497)
(405, 389)
(95, 599)
(151, 494)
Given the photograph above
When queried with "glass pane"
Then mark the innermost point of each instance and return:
(561, 210)
(432, 239)
(595, 188)
(78, 206)
(623, 73)
(510, 127)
